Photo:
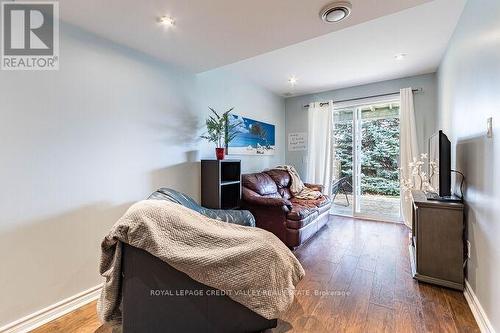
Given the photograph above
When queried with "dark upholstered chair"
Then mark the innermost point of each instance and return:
(267, 196)
(145, 277)
(241, 217)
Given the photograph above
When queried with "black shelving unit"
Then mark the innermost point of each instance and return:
(221, 184)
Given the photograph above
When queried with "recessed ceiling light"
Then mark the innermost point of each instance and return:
(336, 11)
(166, 21)
(400, 56)
(293, 80)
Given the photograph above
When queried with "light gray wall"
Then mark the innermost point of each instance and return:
(81, 144)
(220, 89)
(469, 93)
(425, 108)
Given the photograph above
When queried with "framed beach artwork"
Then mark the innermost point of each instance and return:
(252, 137)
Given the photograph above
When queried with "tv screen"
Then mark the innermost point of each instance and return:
(440, 156)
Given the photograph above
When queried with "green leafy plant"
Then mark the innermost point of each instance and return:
(219, 129)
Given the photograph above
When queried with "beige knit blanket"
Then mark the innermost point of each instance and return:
(297, 187)
(252, 265)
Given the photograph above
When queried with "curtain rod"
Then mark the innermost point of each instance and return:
(372, 96)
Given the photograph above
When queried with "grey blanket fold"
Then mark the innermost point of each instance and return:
(251, 265)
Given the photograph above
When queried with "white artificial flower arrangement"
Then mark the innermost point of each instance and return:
(417, 178)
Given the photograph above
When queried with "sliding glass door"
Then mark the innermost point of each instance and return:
(343, 162)
(366, 159)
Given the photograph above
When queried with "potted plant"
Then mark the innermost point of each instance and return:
(220, 131)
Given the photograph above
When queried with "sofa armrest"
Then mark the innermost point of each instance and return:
(315, 187)
(240, 217)
(252, 198)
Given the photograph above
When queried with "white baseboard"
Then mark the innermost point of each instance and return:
(477, 310)
(52, 312)
(72, 303)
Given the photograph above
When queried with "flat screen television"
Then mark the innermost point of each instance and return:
(440, 153)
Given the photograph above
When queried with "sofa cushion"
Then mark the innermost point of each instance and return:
(323, 203)
(324, 208)
(281, 177)
(260, 183)
(320, 202)
(299, 212)
(300, 216)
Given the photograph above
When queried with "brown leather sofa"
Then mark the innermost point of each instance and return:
(267, 196)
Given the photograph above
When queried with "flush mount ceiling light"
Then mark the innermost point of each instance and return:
(166, 21)
(336, 11)
(293, 80)
(400, 56)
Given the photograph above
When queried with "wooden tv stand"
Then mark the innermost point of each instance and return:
(437, 241)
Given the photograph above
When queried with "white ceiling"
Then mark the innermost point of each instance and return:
(359, 54)
(213, 33)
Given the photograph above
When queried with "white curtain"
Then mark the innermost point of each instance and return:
(320, 136)
(408, 145)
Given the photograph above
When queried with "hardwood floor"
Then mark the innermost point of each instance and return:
(357, 280)
(81, 320)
